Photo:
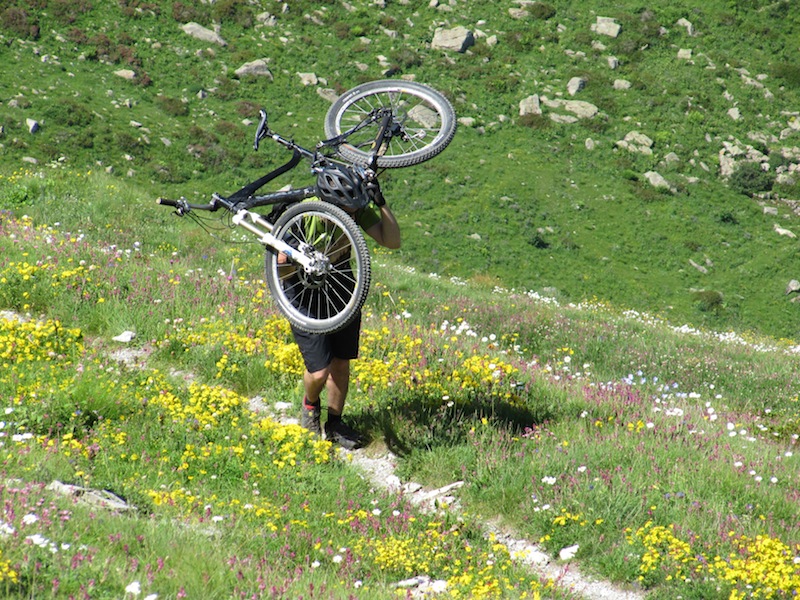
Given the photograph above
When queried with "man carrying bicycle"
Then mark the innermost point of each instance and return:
(327, 356)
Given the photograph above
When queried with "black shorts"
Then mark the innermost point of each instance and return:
(319, 349)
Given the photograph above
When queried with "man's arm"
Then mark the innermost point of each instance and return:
(386, 231)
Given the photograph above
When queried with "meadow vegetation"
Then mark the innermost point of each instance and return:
(521, 198)
(568, 364)
(666, 454)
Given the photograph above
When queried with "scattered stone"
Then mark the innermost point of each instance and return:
(793, 286)
(734, 113)
(784, 232)
(622, 84)
(328, 94)
(699, 267)
(199, 32)
(267, 19)
(308, 78)
(569, 552)
(636, 142)
(125, 337)
(98, 498)
(687, 25)
(255, 68)
(33, 125)
(657, 181)
(530, 106)
(685, 54)
(606, 26)
(458, 38)
(613, 62)
(128, 74)
(575, 85)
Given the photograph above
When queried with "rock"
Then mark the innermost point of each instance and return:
(328, 94)
(530, 106)
(255, 68)
(685, 54)
(96, 498)
(126, 74)
(700, 268)
(199, 32)
(458, 38)
(308, 78)
(784, 232)
(575, 85)
(613, 62)
(689, 27)
(636, 142)
(622, 84)
(33, 125)
(606, 26)
(267, 19)
(734, 113)
(657, 181)
(564, 119)
(793, 286)
(124, 337)
(568, 553)
(579, 108)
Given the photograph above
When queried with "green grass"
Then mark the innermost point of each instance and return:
(551, 215)
(666, 453)
(615, 418)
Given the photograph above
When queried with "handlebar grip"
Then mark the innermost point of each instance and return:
(166, 202)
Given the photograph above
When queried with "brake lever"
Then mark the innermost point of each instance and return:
(262, 130)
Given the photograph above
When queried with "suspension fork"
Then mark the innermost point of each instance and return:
(305, 256)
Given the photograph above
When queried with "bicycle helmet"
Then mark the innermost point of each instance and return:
(342, 186)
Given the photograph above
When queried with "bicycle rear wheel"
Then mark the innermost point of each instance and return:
(423, 124)
(328, 299)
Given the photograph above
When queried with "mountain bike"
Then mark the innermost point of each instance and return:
(317, 262)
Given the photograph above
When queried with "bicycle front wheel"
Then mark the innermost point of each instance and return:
(326, 299)
(423, 122)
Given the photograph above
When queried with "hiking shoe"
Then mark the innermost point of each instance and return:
(338, 432)
(309, 419)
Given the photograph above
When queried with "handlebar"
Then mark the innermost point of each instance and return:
(182, 207)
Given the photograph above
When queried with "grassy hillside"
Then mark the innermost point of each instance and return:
(667, 456)
(518, 200)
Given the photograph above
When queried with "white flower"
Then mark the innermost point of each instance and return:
(151, 597)
(376, 512)
(315, 564)
(337, 558)
(133, 588)
(773, 480)
(549, 480)
(582, 469)
(29, 519)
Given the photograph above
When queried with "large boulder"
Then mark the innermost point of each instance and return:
(199, 32)
(255, 68)
(458, 38)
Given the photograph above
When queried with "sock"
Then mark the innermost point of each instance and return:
(333, 418)
(308, 405)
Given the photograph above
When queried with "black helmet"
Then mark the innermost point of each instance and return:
(343, 186)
